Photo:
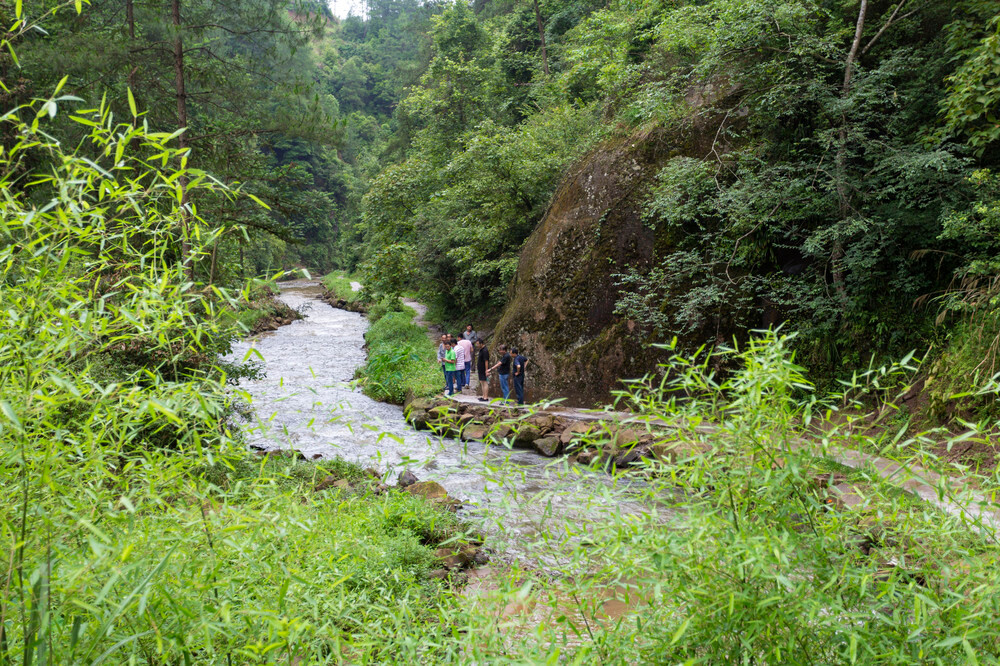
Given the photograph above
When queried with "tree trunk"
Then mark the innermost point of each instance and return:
(182, 122)
(132, 67)
(541, 37)
(837, 253)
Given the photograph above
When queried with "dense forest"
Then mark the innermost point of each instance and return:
(818, 164)
(767, 230)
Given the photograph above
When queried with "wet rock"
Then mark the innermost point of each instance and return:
(627, 438)
(481, 558)
(444, 429)
(451, 559)
(575, 430)
(332, 482)
(406, 478)
(478, 412)
(526, 436)
(586, 457)
(440, 412)
(419, 419)
(438, 574)
(473, 433)
(420, 404)
(544, 422)
(548, 446)
(632, 455)
(676, 451)
(499, 433)
(431, 490)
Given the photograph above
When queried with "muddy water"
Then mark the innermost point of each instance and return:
(305, 402)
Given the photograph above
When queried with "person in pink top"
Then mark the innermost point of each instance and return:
(465, 347)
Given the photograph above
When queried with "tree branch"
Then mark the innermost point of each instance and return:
(892, 19)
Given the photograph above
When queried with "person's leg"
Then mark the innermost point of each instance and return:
(468, 375)
(445, 376)
(519, 388)
(505, 386)
(450, 381)
(484, 384)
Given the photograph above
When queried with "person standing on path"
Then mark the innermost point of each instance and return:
(470, 334)
(464, 346)
(441, 351)
(520, 362)
(504, 373)
(482, 369)
(459, 366)
(450, 363)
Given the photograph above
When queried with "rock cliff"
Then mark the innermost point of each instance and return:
(561, 309)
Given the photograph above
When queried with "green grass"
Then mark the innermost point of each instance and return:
(340, 285)
(402, 360)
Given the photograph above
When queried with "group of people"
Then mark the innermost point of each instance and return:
(456, 354)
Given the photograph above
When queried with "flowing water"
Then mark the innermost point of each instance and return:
(305, 401)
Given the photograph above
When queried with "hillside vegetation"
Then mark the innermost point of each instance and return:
(628, 189)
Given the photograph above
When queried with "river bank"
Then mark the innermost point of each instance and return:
(682, 526)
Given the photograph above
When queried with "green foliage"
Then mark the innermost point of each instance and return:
(340, 285)
(387, 272)
(750, 555)
(972, 107)
(402, 360)
(135, 525)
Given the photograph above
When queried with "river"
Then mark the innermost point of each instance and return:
(305, 402)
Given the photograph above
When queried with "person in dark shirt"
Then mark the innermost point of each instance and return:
(483, 369)
(520, 362)
(504, 372)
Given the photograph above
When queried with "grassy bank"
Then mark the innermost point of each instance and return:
(259, 309)
(339, 284)
(402, 360)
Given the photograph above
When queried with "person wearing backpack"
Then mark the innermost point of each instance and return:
(520, 363)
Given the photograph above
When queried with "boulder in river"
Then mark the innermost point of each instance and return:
(526, 436)
(473, 432)
(406, 478)
(574, 431)
(500, 432)
(544, 422)
(431, 490)
(632, 455)
(548, 446)
(586, 457)
(676, 450)
(424, 404)
(418, 419)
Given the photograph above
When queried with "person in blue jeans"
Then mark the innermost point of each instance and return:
(504, 373)
(450, 368)
(441, 350)
(520, 362)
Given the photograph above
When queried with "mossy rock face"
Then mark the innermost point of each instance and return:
(561, 312)
(548, 446)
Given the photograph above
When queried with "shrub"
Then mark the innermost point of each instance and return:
(401, 360)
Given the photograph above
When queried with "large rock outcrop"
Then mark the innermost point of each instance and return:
(561, 311)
